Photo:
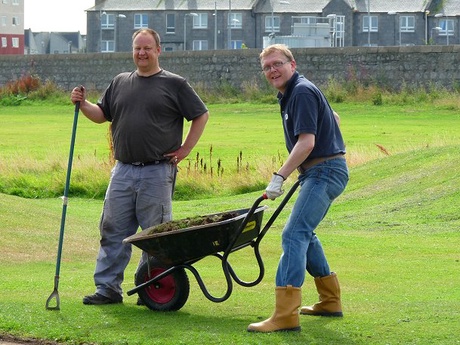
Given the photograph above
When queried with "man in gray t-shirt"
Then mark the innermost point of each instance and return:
(147, 109)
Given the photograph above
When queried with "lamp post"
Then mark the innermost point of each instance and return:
(426, 26)
(369, 23)
(437, 28)
(100, 29)
(332, 28)
(273, 22)
(396, 14)
(215, 24)
(447, 31)
(185, 27)
(272, 34)
(229, 19)
(440, 15)
(115, 31)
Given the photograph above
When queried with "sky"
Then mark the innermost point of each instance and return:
(56, 15)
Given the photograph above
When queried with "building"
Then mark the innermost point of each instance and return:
(53, 42)
(233, 24)
(11, 27)
(17, 41)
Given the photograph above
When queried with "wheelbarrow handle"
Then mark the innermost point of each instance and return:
(228, 270)
(278, 210)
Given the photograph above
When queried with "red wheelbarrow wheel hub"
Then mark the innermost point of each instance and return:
(162, 291)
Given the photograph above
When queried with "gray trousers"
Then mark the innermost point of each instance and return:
(137, 196)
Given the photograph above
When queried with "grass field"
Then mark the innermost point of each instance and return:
(393, 236)
(241, 146)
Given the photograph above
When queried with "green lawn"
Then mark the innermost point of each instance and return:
(241, 146)
(393, 236)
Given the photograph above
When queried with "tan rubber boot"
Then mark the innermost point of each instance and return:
(285, 316)
(329, 298)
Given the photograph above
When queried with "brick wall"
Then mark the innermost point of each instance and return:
(389, 66)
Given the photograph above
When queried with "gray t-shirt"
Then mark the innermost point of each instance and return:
(147, 114)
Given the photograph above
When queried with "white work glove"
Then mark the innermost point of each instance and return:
(273, 189)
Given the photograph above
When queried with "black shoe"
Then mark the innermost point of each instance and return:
(98, 299)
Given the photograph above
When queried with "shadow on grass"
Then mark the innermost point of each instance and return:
(183, 327)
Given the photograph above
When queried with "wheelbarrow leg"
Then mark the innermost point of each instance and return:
(255, 244)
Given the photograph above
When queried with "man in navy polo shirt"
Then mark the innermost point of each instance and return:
(316, 149)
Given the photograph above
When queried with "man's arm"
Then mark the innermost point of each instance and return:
(193, 135)
(300, 152)
(91, 111)
(337, 117)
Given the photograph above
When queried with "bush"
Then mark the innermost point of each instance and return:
(29, 87)
(22, 86)
(358, 87)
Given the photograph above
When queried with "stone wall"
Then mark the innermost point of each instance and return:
(388, 66)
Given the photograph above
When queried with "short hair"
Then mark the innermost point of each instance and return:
(152, 32)
(277, 48)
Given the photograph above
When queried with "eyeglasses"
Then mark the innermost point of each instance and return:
(275, 66)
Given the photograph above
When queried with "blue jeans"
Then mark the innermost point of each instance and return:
(302, 250)
(137, 196)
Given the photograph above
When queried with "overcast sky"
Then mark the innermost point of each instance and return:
(56, 15)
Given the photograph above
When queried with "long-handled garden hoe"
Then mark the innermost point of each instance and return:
(55, 293)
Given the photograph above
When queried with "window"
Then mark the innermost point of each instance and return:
(3, 20)
(4, 1)
(272, 23)
(200, 45)
(170, 23)
(16, 2)
(236, 20)
(107, 46)
(107, 21)
(236, 44)
(15, 21)
(15, 42)
(447, 27)
(4, 42)
(338, 31)
(340, 26)
(307, 20)
(374, 23)
(141, 21)
(200, 21)
(407, 24)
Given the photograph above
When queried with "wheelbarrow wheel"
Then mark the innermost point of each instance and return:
(169, 293)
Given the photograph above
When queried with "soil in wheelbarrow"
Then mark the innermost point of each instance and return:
(190, 222)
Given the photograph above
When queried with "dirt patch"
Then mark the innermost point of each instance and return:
(6, 339)
(189, 222)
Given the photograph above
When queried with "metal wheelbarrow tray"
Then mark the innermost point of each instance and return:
(178, 246)
(162, 283)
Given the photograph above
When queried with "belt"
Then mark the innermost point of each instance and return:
(143, 164)
(314, 161)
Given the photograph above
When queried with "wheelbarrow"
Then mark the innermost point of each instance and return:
(162, 283)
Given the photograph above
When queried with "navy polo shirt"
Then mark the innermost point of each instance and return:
(304, 109)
